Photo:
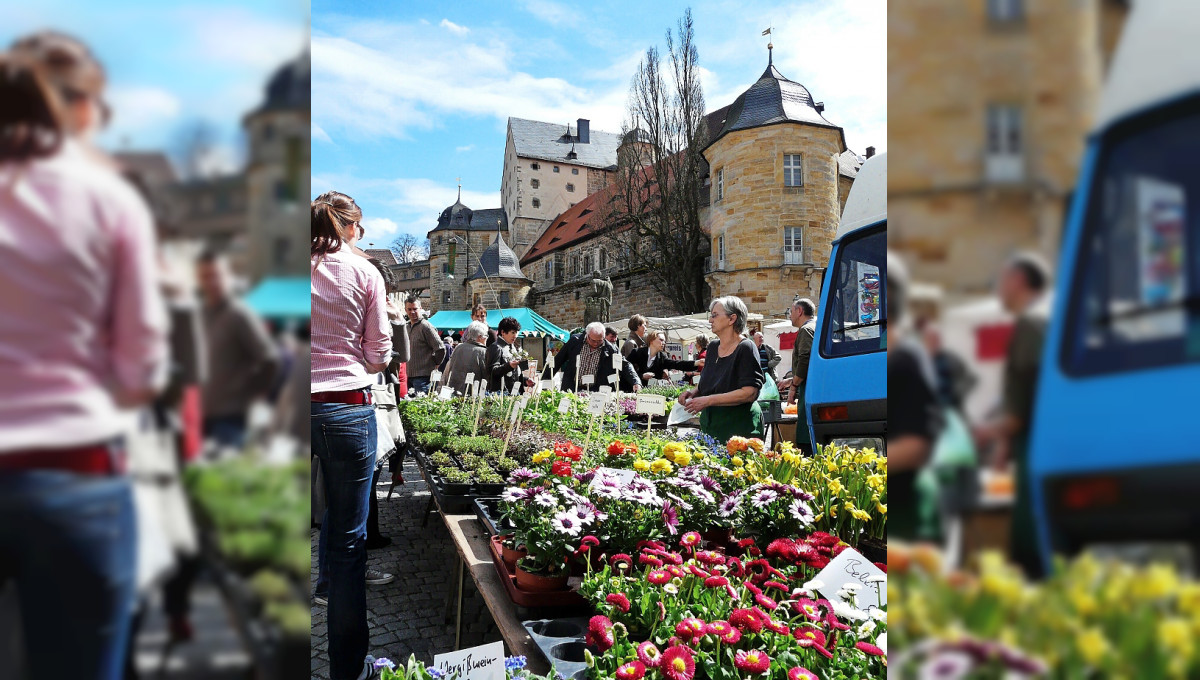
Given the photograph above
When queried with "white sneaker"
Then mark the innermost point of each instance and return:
(378, 578)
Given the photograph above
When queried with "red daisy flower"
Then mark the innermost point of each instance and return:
(823, 651)
(869, 648)
(590, 540)
(745, 543)
(650, 559)
(882, 566)
(620, 601)
(648, 654)
(718, 628)
(753, 588)
(784, 548)
(808, 636)
(776, 626)
(746, 620)
(634, 670)
(752, 661)
(658, 577)
(776, 585)
(765, 601)
(732, 637)
(676, 571)
(716, 581)
(600, 633)
(689, 539)
(736, 567)
(799, 673)
(697, 571)
(690, 628)
(809, 608)
(710, 557)
(673, 558)
(621, 559)
(677, 663)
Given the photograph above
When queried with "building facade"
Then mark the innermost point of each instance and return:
(277, 175)
(779, 173)
(413, 277)
(548, 168)
(456, 244)
(998, 126)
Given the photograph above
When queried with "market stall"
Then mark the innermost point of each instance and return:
(592, 521)
(533, 325)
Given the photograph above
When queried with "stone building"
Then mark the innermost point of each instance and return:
(498, 282)
(779, 173)
(456, 245)
(548, 168)
(277, 175)
(413, 277)
(992, 131)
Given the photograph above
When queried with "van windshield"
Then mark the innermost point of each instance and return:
(1135, 302)
(856, 306)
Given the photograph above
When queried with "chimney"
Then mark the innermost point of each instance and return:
(583, 130)
(820, 107)
(870, 151)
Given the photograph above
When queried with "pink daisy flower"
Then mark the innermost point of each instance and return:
(648, 654)
(752, 661)
(677, 664)
(618, 600)
(634, 670)
(799, 673)
(869, 648)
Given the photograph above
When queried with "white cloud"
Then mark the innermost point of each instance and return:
(379, 230)
(454, 28)
(550, 12)
(411, 205)
(240, 37)
(376, 80)
(461, 149)
(320, 135)
(137, 107)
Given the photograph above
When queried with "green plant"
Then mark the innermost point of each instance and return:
(488, 477)
(441, 458)
(271, 586)
(457, 476)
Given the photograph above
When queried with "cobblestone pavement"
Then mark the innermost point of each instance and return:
(410, 614)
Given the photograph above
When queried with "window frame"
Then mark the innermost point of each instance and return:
(536, 203)
(798, 168)
(720, 185)
(534, 183)
(570, 187)
(791, 245)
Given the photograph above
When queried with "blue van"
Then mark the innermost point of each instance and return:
(846, 386)
(1114, 458)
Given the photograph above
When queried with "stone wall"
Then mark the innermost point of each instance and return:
(498, 293)
(597, 180)
(564, 305)
(465, 263)
(756, 207)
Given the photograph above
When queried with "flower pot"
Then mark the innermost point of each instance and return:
(536, 583)
(456, 488)
(510, 555)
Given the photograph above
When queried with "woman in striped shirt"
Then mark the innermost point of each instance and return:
(351, 342)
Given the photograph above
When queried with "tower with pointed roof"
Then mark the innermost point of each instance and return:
(458, 243)
(779, 173)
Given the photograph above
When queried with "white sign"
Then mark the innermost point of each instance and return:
(679, 414)
(617, 359)
(564, 404)
(613, 378)
(532, 372)
(479, 387)
(485, 662)
(550, 362)
(621, 477)
(556, 381)
(587, 380)
(547, 384)
(674, 350)
(516, 412)
(516, 388)
(676, 376)
(436, 376)
(695, 380)
(651, 404)
(596, 402)
(852, 567)
(445, 393)
(605, 389)
(470, 378)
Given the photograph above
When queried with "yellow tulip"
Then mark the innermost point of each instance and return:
(1092, 646)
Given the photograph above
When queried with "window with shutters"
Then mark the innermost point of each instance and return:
(791, 170)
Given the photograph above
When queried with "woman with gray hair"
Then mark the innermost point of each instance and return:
(468, 357)
(727, 396)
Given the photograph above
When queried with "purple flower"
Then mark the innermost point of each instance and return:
(710, 484)
(522, 475)
(670, 518)
(384, 663)
(730, 505)
(586, 477)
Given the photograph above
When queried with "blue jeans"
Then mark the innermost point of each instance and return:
(418, 384)
(226, 431)
(70, 541)
(344, 438)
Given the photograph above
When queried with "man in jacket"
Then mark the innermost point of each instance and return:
(425, 346)
(504, 368)
(803, 315)
(589, 355)
(469, 357)
(767, 356)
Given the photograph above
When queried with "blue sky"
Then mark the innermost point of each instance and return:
(409, 96)
(171, 64)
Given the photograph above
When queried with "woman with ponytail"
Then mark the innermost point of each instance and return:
(82, 335)
(351, 342)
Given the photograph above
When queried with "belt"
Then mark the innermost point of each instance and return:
(359, 396)
(100, 459)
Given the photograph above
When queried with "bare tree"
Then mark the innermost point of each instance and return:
(195, 146)
(408, 248)
(652, 215)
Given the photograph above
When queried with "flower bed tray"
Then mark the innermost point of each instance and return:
(561, 642)
(450, 503)
(524, 598)
(488, 511)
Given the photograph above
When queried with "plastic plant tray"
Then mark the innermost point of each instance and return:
(525, 598)
(561, 642)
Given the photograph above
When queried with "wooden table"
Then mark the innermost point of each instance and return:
(471, 541)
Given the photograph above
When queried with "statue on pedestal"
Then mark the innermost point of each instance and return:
(599, 299)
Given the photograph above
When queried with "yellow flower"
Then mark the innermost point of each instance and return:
(835, 486)
(880, 507)
(1083, 601)
(876, 482)
(673, 449)
(542, 456)
(641, 465)
(661, 466)
(737, 461)
(1157, 582)
(683, 459)
(791, 458)
(1092, 646)
(1175, 636)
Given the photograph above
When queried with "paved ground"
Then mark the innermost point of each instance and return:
(410, 615)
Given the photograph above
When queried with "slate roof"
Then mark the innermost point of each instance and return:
(498, 261)
(772, 99)
(290, 87)
(553, 141)
(849, 163)
(459, 217)
(384, 255)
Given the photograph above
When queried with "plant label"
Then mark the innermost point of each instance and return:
(479, 386)
(445, 393)
(516, 412)
(436, 376)
(564, 404)
(695, 380)
(605, 389)
(622, 477)
(676, 376)
(485, 662)
(617, 359)
(516, 388)
(651, 404)
(587, 380)
(470, 378)
(547, 385)
(852, 567)
(596, 403)
(532, 372)
(613, 378)
(550, 362)
(556, 381)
